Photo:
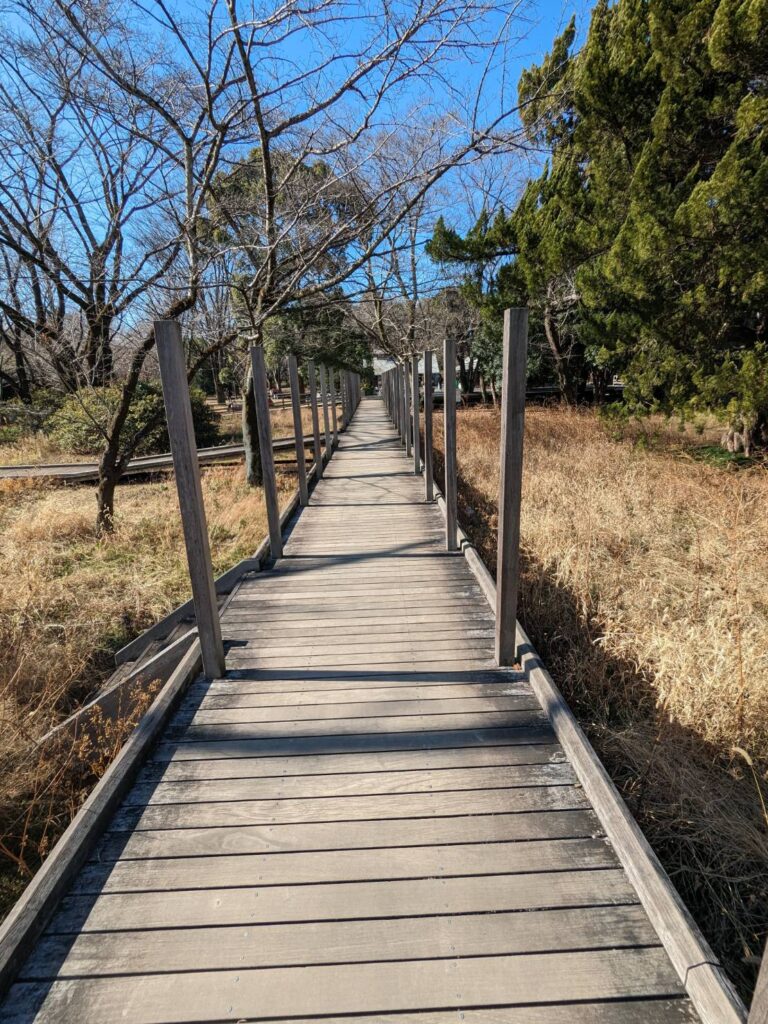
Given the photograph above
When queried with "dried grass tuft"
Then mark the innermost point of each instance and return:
(68, 600)
(644, 590)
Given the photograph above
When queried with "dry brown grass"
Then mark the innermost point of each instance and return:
(644, 590)
(68, 600)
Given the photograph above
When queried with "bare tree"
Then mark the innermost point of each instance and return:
(140, 172)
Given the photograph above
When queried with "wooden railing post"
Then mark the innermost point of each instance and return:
(334, 420)
(429, 480)
(415, 404)
(326, 412)
(510, 482)
(402, 379)
(298, 430)
(449, 434)
(408, 420)
(264, 424)
(178, 408)
(344, 388)
(758, 1013)
(316, 446)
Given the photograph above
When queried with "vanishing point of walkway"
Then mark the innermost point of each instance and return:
(364, 820)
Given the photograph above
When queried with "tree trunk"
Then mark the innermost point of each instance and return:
(108, 481)
(253, 470)
(562, 369)
(221, 392)
(483, 391)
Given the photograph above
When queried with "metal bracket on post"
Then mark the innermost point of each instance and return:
(261, 397)
(449, 428)
(298, 430)
(173, 375)
(429, 480)
(510, 482)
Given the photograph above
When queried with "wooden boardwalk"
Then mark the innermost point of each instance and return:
(364, 820)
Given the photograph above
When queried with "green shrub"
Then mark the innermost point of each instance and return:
(80, 424)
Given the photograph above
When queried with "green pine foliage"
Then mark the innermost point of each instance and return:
(642, 248)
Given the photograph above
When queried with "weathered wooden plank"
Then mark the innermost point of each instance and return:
(358, 726)
(238, 839)
(246, 682)
(341, 901)
(350, 808)
(242, 697)
(361, 709)
(434, 738)
(366, 783)
(343, 866)
(334, 764)
(347, 989)
(318, 942)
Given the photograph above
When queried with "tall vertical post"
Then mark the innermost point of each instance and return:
(316, 446)
(344, 399)
(449, 428)
(415, 403)
(510, 482)
(402, 376)
(326, 413)
(298, 430)
(334, 420)
(408, 420)
(261, 397)
(758, 1013)
(178, 409)
(429, 480)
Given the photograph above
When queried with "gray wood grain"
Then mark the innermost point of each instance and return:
(316, 445)
(429, 483)
(415, 419)
(380, 988)
(449, 434)
(298, 430)
(181, 431)
(510, 482)
(324, 393)
(316, 942)
(264, 424)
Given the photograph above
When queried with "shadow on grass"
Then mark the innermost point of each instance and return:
(701, 813)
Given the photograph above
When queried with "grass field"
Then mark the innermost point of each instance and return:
(69, 600)
(643, 588)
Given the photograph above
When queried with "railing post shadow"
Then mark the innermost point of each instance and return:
(298, 430)
(449, 433)
(173, 375)
(510, 482)
(261, 397)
